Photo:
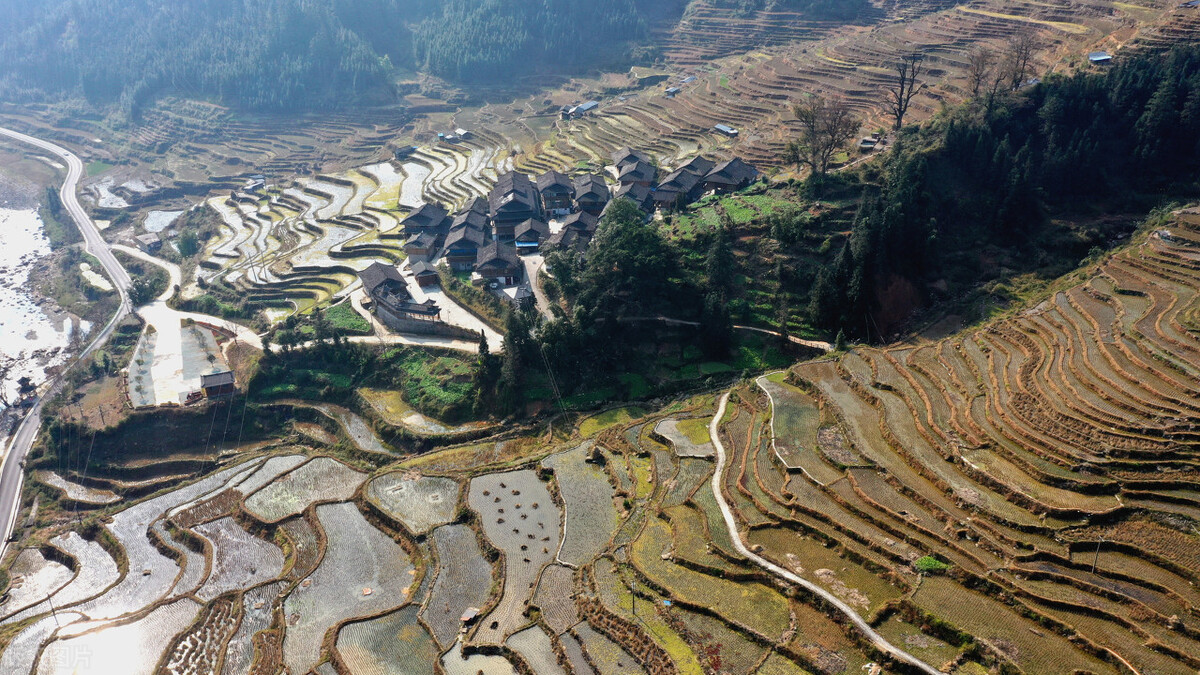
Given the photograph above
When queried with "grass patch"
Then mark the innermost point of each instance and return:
(344, 319)
(599, 422)
(97, 167)
(696, 430)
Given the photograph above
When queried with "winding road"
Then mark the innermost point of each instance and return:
(876, 639)
(12, 471)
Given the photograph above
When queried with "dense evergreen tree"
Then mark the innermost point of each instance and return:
(984, 174)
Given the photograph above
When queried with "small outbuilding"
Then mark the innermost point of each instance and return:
(1100, 58)
(725, 130)
(217, 385)
(149, 242)
(425, 274)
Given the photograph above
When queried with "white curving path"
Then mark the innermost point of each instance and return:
(876, 639)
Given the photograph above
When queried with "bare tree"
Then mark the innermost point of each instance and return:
(988, 74)
(979, 66)
(901, 94)
(1019, 59)
(825, 127)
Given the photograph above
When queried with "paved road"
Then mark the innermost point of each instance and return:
(878, 640)
(12, 471)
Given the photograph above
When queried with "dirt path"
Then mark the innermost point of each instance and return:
(876, 639)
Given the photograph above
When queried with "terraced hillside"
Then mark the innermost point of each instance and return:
(1029, 486)
(1021, 497)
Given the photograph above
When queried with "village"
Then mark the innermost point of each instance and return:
(500, 241)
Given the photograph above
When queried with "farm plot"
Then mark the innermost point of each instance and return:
(269, 471)
(464, 580)
(131, 649)
(689, 437)
(691, 474)
(356, 428)
(393, 644)
(194, 563)
(534, 646)
(306, 546)
(519, 517)
(239, 559)
(556, 598)
(96, 572)
(750, 604)
(363, 572)
(31, 579)
(591, 517)
(76, 492)
(795, 428)
(607, 657)
(454, 663)
(20, 655)
(421, 503)
(198, 651)
(258, 606)
(151, 574)
(320, 480)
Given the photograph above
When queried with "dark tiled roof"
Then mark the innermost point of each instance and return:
(497, 252)
(512, 191)
(698, 165)
(639, 194)
(627, 155)
(681, 180)
(477, 204)
(553, 179)
(532, 226)
(216, 379)
(428, 215)
(570, 238)
(377, 274)
(590, 187)
(422, 268)
(422, 240)
(733, 172)
(581, 221)
(465, 235)
(473, 219)
(639, 171)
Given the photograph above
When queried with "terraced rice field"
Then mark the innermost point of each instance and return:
(591, 516)
(464, 580)
(421, 503)
(394, 644)
(519, 517)
(1051, 452)
(363, 573)
(319, 480)
(239, 559)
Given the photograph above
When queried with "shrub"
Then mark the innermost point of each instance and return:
(930, 565)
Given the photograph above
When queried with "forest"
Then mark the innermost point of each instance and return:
(995, 171)
(284, 55)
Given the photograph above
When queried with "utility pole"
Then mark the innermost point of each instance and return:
(1097, 558)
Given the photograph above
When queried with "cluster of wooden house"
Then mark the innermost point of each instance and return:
(488, 235)
(640, 180)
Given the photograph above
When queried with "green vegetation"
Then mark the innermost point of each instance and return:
(149, 280)
(97, 167)
(436, 384)
(987, 174)
(56, 222)
(282, 55)
(928, 564)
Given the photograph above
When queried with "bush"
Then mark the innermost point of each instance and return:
(930, 565)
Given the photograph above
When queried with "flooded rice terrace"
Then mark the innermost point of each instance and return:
(31, 339)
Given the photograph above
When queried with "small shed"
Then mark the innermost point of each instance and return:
(217, 384)
(1100, 58)
(149, 242)
(726, 130)
(425, 274)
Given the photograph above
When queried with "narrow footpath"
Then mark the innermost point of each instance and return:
(876, 639)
